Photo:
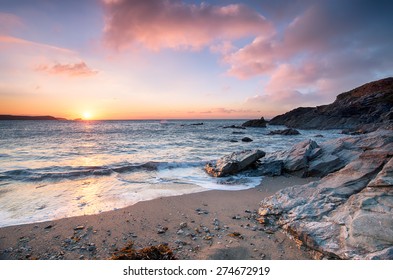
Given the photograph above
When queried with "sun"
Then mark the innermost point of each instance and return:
(86, 115)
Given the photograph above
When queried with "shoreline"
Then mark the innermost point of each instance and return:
(212, 224)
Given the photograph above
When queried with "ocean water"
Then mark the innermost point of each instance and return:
(56, 169)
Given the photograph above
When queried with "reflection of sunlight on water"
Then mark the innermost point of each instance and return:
(28, 203)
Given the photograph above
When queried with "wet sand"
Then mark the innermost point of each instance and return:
(206, 225)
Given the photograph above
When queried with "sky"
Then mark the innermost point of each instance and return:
(173, 59)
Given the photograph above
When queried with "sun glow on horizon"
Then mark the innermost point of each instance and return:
(86, 115)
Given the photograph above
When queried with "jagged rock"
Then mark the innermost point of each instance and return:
(268, 167)
(369, 107)
(288, 131)
(233, 163)
(349, 213)
(323, 166)
(255, 123)
(385, 177)
(297, 158)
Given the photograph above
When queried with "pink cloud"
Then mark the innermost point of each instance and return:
(73, 70)
(10, 40)
(9, 22)
(158, 24)
(289, 77)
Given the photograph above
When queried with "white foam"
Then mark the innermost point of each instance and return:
(196, 175)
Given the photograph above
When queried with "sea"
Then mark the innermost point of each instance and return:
(57, 169)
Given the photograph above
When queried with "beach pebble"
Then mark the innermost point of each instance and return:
(79, 227)
(183, 225)
(236, 217)
(180, 242)
(162, 230)
(179, 232)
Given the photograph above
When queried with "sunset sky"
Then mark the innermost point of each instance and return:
(163, 59)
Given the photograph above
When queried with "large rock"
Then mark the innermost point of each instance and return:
(368, 107)
(296, 158)
(233, 163)
(255, 123)
(349, 213)
(269, 168)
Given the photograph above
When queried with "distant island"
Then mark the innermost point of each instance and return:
(29, 118)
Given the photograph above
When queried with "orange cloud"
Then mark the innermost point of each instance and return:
(158, 24)
(74, 70)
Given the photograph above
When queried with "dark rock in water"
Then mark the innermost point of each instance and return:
(319, 136)
(238, 132)
(347, 214)
(255, 123)
(233, 141)
(191, 124)
(288, 131)
(233, 163)
(235, 127)
(369, 106)
(247, 139)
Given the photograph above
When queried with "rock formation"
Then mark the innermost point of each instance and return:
(255, 123)
(233, 163)
(347, 214)
(288, 131)
(368, 107)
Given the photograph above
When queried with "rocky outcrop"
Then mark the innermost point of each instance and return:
(288, 131)
(255, 123)
(348, 213)
(233, 163)
(367, 107)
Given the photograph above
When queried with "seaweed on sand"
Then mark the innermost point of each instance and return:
(159, 252)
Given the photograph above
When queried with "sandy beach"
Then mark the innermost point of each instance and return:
(205, 225)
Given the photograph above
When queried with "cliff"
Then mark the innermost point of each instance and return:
(367, 107)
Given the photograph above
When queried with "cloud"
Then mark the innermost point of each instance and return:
(9, 22)
(158, 24)
(10, 40)
(228, 111)
(322, 47)
(73, 70)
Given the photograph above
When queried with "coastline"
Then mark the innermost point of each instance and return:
(205, 225)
